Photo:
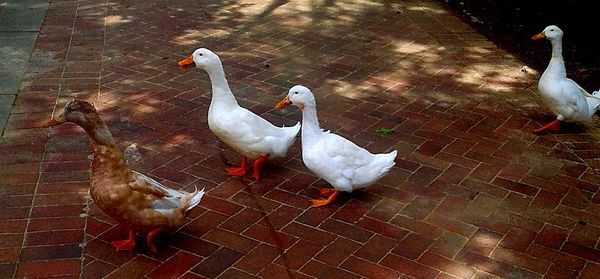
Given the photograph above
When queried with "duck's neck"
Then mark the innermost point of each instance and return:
(221, 94)
(310, 122)
(556, 67)
(108, 160)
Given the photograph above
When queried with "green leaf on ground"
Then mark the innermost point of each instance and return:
(383, 131)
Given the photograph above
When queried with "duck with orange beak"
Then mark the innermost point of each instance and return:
(136, 201)
(244, 131)
(340, 162)
(563, 96)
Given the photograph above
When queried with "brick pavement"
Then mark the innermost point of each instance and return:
(474, 193)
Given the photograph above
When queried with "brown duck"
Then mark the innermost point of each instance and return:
(134, 200)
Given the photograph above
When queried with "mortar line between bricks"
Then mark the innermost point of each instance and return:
(31, 206)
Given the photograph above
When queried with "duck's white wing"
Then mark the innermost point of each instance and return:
(338, 161)
(242, 128)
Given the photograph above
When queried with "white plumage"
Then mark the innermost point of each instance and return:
(345, 165)
(563, 96)
(244, 131)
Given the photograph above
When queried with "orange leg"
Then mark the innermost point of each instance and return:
(127, 244)
(552, 126)
(238, 171)
(257, 164)
(149, 237)
(329, 196)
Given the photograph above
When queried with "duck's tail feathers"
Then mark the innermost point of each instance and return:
(387, 161)
(295, 128)
(195, 200)
(293, 132)
(594, 102)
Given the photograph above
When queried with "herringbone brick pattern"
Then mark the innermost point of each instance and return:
(474, 194)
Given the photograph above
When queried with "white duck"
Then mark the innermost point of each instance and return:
(337, 160)
(562, 95)
(247, 133)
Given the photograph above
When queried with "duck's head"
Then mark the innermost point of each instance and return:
(551, 32)
(79, 112)
(299, 96)
(202, 58)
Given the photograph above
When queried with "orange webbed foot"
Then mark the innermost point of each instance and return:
(257, 164)
(328, 195)
(125, 245)
(149, 237)
(552, 126)
(239, 171)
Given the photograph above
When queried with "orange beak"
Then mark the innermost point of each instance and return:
(188, 62)
(56, 120)
(286, 101)
(538, 36)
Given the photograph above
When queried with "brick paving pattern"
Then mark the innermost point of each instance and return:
(474, 194)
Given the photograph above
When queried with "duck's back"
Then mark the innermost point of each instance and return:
(342, 163)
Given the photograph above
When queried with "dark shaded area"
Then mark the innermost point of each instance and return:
(511, 23)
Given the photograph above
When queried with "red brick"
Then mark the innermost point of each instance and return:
(448, 244)
(96, 269)
(192, 244)
(560, 258)
(346, 230)
(516, 186)
(483, 242)
(587, 253)
(376, 248)
(231, 240)
(551, 236)
(270, 236)
(57, 211)
(367, 269)
(518, 239)
(175, 266)
(485, 172)
(280, 217)
(53, 252)
(424, 175)
(409, 267)
(257, 259)
(205, 223)
(352, 212)
(12, 226)
(284, 197)
(382, 228)
(11, 240)
(300, 253)
(522, 260)
(49, 268)
(485, 263)
(320, 270)
(417, 226)
(337, 251)
(137, 267)
(590, 271)
(413, 246)
(8, 255)
(242, 220)
(218, 262)
(447, 265)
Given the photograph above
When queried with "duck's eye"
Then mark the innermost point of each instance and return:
(551, 30)
(296, 92)
(199, 54)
